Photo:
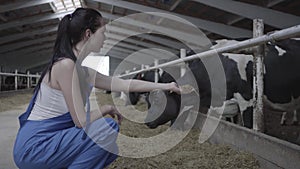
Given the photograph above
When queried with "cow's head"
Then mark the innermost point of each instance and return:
(133, 97)
(163, 77)
(163, 107)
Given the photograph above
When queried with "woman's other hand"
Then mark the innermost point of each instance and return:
(173, 87)
(112, 111)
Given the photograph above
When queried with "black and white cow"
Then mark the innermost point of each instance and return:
(163, 77)
(281, 84)
(202, 93)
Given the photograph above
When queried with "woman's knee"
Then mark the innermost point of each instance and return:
(104, 131)
(113, 124)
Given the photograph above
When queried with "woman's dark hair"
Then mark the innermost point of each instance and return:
(71, 30)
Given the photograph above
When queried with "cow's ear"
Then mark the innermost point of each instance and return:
(187, 89)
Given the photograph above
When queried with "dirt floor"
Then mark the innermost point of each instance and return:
(10, 102)
(187, 154)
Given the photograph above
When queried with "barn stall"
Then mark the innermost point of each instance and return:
(28, 31)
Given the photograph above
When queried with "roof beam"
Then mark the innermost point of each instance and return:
(152, 38)
(163, 41)
(121, 56)
(218, 28)
(28, 50)
(38, 68)
(13, 37)
(189, 38)
(40, 61)
(239, 18)
(283, 20)
(137, 42)
(141, 54)
(150, 51)
(115, 54)
(130, 56)
(108, 48)
(42, 56)
(25, 61)
(192, 39)
(34, 19)
(3, 18)
(175, 5)
(22, 4)
(274, 2)
(14, 46)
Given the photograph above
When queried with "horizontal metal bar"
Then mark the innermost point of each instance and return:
(21, 75)
(278, 35)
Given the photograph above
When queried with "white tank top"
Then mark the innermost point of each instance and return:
(49, 103)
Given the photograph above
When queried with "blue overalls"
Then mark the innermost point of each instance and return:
(57, 143)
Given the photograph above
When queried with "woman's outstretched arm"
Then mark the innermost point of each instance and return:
(131, 85)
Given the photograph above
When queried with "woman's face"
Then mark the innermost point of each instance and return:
(97, 39)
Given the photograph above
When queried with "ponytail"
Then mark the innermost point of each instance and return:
(70, 31)
(63, 44)
(62, 47)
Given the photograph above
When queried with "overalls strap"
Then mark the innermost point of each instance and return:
(23, 118)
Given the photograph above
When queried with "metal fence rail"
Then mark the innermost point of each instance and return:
(278, 35)
(16, 75)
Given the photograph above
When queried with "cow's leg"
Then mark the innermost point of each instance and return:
(203, 110)
(239, 119)
(283, 119)
(172, 121)
(248, 117)
(295, 119)
(124, 98)
(180, 120)
(298, 139)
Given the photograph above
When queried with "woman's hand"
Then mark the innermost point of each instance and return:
(112, 111)
(173, 87)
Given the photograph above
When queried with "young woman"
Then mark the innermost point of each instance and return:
(53, 131)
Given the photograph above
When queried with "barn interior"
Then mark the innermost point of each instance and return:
(139, 34)
(28, 28)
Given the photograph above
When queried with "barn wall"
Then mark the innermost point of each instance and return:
(113, 64)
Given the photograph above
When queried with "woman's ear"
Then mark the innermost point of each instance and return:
(88, 33)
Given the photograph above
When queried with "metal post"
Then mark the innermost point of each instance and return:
(28, 80)
(16, 79)
(258, 68)
(156, 71)
(182, 68)
(37, 79)
(0, 78)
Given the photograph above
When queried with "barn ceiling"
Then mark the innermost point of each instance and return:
(28, 27)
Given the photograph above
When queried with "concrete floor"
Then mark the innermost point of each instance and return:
(9, 126)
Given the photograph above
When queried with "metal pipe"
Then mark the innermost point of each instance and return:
(182, 55)
(16, 79)
(156, 72)
(278, 35)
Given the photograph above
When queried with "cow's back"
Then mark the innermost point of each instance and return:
(282, 77)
